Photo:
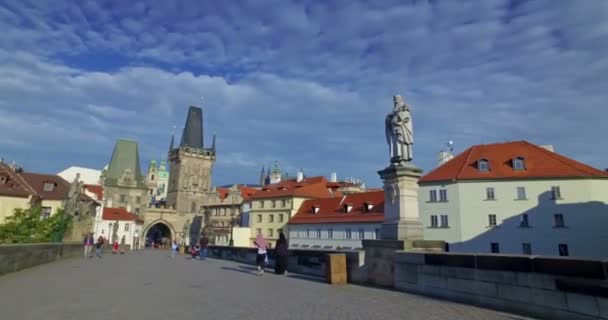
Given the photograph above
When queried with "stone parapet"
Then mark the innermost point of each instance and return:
(15, 257)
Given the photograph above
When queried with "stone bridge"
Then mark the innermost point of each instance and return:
(150, 285)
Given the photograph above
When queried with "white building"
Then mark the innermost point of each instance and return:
(120, 225)
(337, 223)
(87, 175)
(516, 198)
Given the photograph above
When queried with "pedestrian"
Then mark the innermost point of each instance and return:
(281, 254)
(174, 248)
(115, 247)
(260, 259)
(204, 243)
(98, 246)
(88, 242)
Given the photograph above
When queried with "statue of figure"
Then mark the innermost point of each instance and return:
(399, 132)
(70, 204)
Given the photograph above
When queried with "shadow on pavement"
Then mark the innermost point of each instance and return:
(239, 270)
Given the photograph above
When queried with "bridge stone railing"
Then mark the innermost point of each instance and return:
(306, 262)
(15, 257)
(538, 286)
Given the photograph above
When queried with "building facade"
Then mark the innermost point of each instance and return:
(86, 175)
(339, 223)
(223, 208)
(123, 184)
(516, 198)
(274, 204)
(117, 224)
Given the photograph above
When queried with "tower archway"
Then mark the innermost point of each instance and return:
(159, 235)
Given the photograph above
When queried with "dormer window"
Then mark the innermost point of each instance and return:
(368, 206)
(48, 186)
(519, 164)
(348, 207)
(315, 209)
(483, 165)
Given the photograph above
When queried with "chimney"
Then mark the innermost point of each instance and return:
(300, 176)
(333, 177)
(548, 147)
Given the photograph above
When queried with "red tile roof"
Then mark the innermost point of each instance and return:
(539, 163)
(314, 187)
(247, 192)
(95, 189)
(120, 214)
(332, 210)
(37, 181)
(11, 183)
(223, 192)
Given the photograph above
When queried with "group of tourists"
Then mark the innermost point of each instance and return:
(281, 254)
(89, 242)
(197, 250)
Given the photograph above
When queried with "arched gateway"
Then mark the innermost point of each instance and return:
(159, 234)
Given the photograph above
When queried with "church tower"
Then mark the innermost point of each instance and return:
(190, 167)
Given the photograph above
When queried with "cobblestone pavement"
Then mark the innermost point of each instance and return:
(149, 285)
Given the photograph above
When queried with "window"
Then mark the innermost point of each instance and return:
(126, 227)
(521, 193)
(270, 232)
(330, 233)
(259, 218)
(556, 193)
(293, 234)
(443, 195)
(490, 194)
(349, 234)
(434, 223)
(483, 165)
(48, 186)
(262, 204)
(523, 221)
(315, 209)
(432, 195)
(281, 217)
(377, 234)
(558, 220)
(137, 199)
(271, 218)
(519, 164)
(494, 248)
(319, 234)
(274, 204)
(347, 207)
(361, 234)
(526, 248)
(492, 220)
(444, 221)
(152, 177)
(258, 231)
(123, 198)
(283, 203)
(136, 210)
(307, 233)
(45, 213)
(563, 250)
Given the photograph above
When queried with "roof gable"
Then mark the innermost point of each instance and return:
(332, 210)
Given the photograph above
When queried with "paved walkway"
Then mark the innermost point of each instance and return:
(149, 285)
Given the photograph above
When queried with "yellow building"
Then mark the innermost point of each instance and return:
(22, 190)
(275, 204)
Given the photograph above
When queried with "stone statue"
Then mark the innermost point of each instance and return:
(70, 204)
(399, 132)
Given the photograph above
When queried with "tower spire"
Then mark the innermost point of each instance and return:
(193, 131)
(213, 143)
(171, 145)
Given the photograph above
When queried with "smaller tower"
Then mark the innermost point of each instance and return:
(446, 155)
(262, 177)
(275, 176)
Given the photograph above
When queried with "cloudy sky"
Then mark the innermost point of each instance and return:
(307, 83)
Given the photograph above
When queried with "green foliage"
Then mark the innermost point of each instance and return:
(25, 226)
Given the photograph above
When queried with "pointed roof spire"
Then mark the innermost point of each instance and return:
(193, 131)
(262, 176)
(125, 157)
(171, 145)
(213, 142)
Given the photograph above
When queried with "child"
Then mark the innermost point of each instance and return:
(115, 247)
(174, 248)
(193, 252)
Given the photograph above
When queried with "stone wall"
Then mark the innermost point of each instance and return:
(306, 262)
(15, 257)
(544, 287)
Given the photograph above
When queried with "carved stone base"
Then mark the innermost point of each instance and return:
(402, 230)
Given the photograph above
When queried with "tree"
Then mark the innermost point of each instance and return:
(26, 226)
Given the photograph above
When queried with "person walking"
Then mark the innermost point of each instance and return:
(98, 246)
(260, 259)
(281, 253)
(115, 247)
(174, 249)
(88, 243)
(204, 243)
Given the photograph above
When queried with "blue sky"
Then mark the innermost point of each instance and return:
(307, 83)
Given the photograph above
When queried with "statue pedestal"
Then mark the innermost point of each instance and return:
(402, 228)
(401, 218)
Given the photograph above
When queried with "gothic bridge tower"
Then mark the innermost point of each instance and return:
(191, 165)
